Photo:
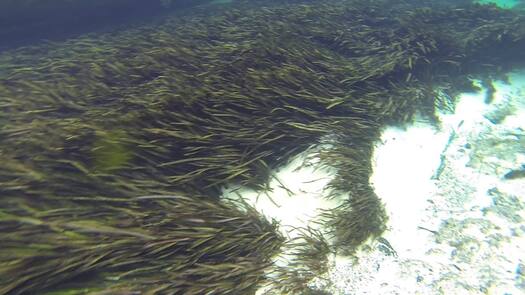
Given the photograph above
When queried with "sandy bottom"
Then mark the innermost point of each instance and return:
(456, 223)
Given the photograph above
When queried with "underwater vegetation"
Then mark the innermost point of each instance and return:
(114, 146)
(158, 244)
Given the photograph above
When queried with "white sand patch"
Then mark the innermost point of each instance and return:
(457, 227)
(295, 198)
(403, 165)
(295, 195)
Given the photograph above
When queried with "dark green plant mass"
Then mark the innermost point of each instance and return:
(163, 244)
(183, 107)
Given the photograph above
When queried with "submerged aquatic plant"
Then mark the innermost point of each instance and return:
(170, 244)
(110, 152)
(193, 103)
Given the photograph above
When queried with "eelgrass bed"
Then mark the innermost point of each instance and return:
(114, 147)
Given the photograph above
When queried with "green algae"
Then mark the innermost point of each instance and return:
(109, 151)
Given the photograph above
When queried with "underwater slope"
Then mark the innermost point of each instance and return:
(187, 106)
